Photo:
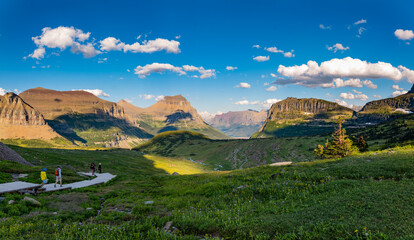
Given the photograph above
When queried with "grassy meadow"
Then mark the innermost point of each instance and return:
(366, 196)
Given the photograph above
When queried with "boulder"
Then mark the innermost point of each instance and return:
(175, 174)
(11, 202)
(31, 200)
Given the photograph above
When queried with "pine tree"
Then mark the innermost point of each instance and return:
(361, 144)
(340, 146)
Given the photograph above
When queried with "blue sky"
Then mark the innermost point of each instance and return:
(210, 36)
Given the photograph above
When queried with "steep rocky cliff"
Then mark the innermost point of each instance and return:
(20, 120)
(301, 117)
(83, 118)
(53, 103)
(240, 124)
(384, 109)
(168, 114)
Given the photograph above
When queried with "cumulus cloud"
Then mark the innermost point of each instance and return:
(2, 91)
(265, 104)
(354, 82)
(404, 34)
(159, 98)
(357, 95)
(96, 92)
(62, 38)
(273, 75)
(261, 58)
(102, 60)
(396, 87)
(230, 68)
(143, 71)
(398, 93)
(360, 22)
(314, 75)
(243, 85)
(324, 27)
(276, 50)
(377, 96)
(256, 46)
(271, 88)
(146, 96)
(127, 100)
(159, 44)
(337, 47)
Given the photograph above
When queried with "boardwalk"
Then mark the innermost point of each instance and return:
(19, 186)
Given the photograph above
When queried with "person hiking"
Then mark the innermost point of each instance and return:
(43, 176)
(58, 174)
(100, 168)
(93, 168)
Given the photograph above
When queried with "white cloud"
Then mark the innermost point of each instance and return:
(261, 58)
(209, 116)
(96, 92)
(62, 38)
(230, 68)
(159, 44)
(321, 26)
(159, 98)
(2, 91)
(396, 87)
(265, 104)
(358, 95)
(369, 84)
(342, 102)
(128, 70)
(398, 93)
(404, 34)
(273, 75)
(178, 37)
(127, 100)
(360, 22)
(276, 50)
(337, 47)
(268, 102)
(243, 85)
(102, 60)
(266, 84)
(377, 96)
(111, 44)
(360, 31)
(38, 53)
(271, 88)
(143, 71)
(314, 75)
(256, 46)
(146, 96)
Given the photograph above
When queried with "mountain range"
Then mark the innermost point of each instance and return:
(84, 119)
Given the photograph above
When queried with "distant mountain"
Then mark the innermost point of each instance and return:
(302, 117)
(239, 124)
(84, 118)
(381, 110)
(20, 120)
(169, 114)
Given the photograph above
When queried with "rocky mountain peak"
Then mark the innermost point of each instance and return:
(13, 110)
(412, 89)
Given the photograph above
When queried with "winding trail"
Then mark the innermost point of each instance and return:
(20, 186)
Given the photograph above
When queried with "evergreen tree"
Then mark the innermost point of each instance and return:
(340, 146)
(361, 144)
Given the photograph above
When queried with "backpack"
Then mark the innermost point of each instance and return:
(57, 172)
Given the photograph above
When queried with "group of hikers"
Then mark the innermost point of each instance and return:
(58, 174)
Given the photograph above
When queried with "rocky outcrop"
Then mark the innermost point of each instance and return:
(20, 120)
(291, 108)
(170, 113)
(382, 110)
(53, 104)
(10, 155)
(13, 110)
(412, 89)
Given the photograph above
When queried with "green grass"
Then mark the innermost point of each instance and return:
(231, 154)
(370, 193)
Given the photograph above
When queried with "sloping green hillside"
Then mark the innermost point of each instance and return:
(368, 196)
(231, 154)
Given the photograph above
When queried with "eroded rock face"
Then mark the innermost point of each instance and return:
(293, 107)
(53, 103)
(13, 110)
